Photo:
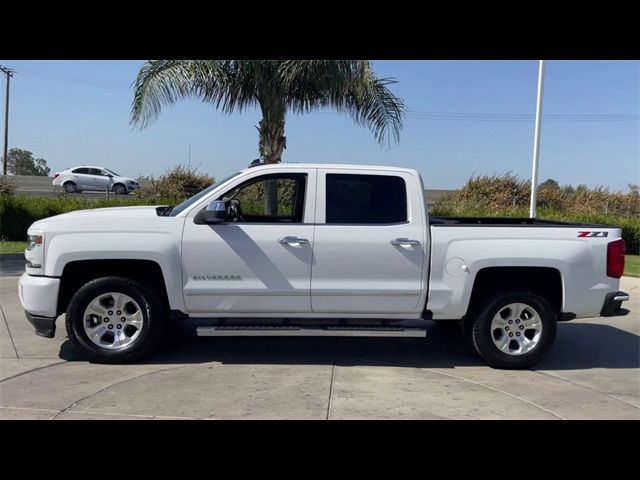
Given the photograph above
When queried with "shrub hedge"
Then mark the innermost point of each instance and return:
(18, 213)
(504, 196)
(508, 196)
(179, 182)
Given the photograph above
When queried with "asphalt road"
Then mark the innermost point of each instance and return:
(592, 373)
(11, 264)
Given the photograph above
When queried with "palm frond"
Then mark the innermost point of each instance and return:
(349, 86)
(276, 86)
(162, 82)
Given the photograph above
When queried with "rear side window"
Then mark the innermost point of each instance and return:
(81, 170)
(368, 199)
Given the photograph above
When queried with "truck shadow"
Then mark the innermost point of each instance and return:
(578, 346)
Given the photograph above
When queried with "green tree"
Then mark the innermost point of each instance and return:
(276, 87)
(550, 183)
(21, 162)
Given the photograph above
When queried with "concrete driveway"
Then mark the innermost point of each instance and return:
(592, 373)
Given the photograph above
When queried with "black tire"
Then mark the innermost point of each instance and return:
(120, 189)
(70, 187)
(151, 332)
(481, 334)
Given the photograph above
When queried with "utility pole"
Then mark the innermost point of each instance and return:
(536, 142)
(189, 157)
(9, 73)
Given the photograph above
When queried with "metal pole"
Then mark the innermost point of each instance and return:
(536, 142)
(189, 157)
(9, 74)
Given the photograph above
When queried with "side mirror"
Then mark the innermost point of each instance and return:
(216, 212)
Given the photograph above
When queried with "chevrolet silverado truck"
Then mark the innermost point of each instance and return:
(332, 250)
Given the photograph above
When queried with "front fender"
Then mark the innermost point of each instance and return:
(159, 247)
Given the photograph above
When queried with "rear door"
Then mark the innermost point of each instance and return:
(369, 243)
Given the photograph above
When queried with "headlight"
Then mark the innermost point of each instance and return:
(131, 182)
(35, 241)
(34, 254)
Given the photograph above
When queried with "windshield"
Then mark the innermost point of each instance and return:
(112, 172)
(190, 201)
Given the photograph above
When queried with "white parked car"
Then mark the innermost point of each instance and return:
(79, 179)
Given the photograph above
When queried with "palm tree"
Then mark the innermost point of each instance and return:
(277, 87)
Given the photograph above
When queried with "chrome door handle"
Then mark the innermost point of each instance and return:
(293, 240)
(405, 242)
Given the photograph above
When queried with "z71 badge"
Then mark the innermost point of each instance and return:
(593, 234)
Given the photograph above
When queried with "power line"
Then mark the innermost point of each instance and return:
(522, 117)
(515, 117)
(114, 85)
(75, 79)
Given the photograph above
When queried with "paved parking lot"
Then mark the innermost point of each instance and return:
(592, 373)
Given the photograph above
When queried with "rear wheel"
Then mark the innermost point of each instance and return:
(514, 330)
(115, 320)
(70, 187)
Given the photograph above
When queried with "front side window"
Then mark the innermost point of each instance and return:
(271, 198)
(365, 199)
(173, 211)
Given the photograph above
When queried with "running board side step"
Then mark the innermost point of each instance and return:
(309, 331)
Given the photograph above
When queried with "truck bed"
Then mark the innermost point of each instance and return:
(506, 221)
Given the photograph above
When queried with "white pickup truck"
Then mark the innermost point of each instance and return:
(295, 249)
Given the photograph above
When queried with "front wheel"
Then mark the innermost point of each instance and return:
(514, 330)
(115, 320)
(119, 189)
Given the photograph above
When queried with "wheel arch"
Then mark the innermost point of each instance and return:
(77, 273)
(545, 281)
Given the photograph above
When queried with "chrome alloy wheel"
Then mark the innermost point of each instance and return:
(113, 320)
(516, 329)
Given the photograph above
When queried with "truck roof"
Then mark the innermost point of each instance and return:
(333, 166)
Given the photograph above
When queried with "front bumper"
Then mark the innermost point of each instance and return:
(45, 326)
(39, 298)
(612, 304)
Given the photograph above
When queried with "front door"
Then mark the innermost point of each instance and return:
(260, 262)
(100, 179)
(369, 244)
